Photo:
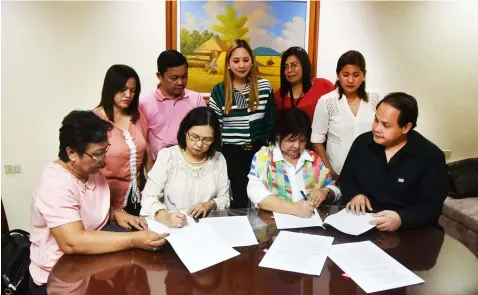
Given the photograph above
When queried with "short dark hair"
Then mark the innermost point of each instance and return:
(115, 81)
(303, 57)
(406, 104)
(354, 58)
(170, 59)
(80, 128)
(293, 122)
(201, 116)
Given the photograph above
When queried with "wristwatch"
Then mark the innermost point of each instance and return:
(214, 205)
(328, 192)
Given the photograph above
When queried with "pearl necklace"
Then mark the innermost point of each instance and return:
(192, 162)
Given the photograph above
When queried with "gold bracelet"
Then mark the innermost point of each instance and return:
(131, 240)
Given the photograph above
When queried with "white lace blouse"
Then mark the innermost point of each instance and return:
(334, 121)
(185, 185)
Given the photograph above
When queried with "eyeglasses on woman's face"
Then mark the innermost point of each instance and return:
(99, 156)
(292, 66)
(196, 138)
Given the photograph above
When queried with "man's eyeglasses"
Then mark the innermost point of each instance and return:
(100, 156)
(195, 138)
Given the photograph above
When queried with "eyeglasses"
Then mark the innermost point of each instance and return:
(99, 157)
(292, 66)
(195, 138)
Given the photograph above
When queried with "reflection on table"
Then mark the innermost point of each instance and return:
(446, 266)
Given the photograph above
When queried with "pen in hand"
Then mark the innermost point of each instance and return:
(305, 199)
(174, 204)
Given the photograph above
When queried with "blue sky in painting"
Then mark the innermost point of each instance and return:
(275, 24)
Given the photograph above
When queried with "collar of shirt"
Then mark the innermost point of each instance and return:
(412, 147)
(304, 156)
(243, 90)
(159, 95)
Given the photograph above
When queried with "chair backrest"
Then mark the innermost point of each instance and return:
(463, 175)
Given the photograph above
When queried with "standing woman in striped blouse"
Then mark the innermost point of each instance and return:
(244, 104)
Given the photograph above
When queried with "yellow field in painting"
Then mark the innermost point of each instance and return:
(199, 80)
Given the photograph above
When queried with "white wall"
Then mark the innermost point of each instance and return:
(54, 58)
(428, 49)
(55, 55)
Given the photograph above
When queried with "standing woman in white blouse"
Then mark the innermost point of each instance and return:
(344, 113)
(191, 176)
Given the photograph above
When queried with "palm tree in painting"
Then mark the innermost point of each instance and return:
(231, 27)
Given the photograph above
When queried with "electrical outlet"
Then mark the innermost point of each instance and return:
(447, 154)
(11, 169)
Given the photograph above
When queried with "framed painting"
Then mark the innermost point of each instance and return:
(203, 30)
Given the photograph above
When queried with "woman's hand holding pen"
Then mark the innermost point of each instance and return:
(304, 208)
(176, 219)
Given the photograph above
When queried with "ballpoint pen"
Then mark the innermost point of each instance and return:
(174, 204)
(305, 198)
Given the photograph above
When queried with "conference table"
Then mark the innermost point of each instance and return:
(446, 266)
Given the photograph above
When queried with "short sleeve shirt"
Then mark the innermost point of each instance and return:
(58, 199)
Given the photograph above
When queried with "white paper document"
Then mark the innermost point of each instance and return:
(197, 245)
(284, 221)
(160, 228)
(236, 231)
(349, 223)
(371, 268)
(296, 252)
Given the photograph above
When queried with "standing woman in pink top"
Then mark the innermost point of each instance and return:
(129, 154)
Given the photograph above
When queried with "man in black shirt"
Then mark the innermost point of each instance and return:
(394, 170)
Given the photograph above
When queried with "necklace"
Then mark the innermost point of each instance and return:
(192, 162)
(354, 104)
(292, 99)
(76, 175)
(293, 157)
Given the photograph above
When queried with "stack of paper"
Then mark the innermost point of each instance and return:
(197, 245)
(302, 253)
(284, 221)
(236, 231)
(371, 268)
(349, 223)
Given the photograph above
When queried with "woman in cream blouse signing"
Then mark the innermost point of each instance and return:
(343, 114)
(285, 173)
(191, 176)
